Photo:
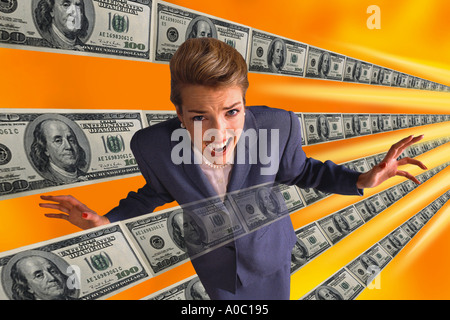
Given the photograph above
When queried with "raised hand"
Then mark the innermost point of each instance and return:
(73, 211)
(388, 168)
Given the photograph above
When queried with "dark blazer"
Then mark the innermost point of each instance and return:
(261, 252)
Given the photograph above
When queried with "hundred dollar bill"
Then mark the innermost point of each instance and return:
(409, 228)
(107, 28)
(395, 241)
(359, 165)
(211, 223)
(51, 149)
(88, 265)
(395, 79)
(357, 71)
(429, 119)
(424, 84)
(418, 121)
(376, 73)
(410, 120)
(338, 225)
(274, 54)
(395, 121)
(261, 205)
(403, 81)
(417, 83)
(292, 199)
(376, 123)
(310, 195)
(403, 121)
(431, 86)
(190, 288)
(421, 217)
(324, 64)
(374, 160)
(323, 127)
(355, 125)
(391, 195)
(370, 207)
(407, 186)
(341, 286)
(161, 239)
(429, 211)
(175, 24)
(385, 122)
(415, 223)
(369, 264)
(302, 125)
(406, 80)
(311, 242)
(387, 77)
(153, 117)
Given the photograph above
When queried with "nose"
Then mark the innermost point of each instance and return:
(71, 9)
(67, 145)
(49, 276)
(218, 131)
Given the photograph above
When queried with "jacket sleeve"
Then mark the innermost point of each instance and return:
(152, 195)
(297, 169)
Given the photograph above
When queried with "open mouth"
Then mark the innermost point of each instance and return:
(218, 149)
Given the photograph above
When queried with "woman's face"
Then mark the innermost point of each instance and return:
(214, 117)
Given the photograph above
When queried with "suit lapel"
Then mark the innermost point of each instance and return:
(241, 168)
(199, 179)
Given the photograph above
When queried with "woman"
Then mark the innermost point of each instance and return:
(208, 86)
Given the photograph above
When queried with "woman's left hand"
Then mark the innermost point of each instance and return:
(388, 168)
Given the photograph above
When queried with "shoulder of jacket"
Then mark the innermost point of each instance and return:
(272, 117)
(155, 136)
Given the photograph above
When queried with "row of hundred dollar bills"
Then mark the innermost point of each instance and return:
(100, 143)
(101, 262)
(152, 30)
(350, 281)
(317, 237)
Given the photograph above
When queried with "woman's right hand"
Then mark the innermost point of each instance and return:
(73, 211)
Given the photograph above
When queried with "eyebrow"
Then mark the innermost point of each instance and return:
(226, 108)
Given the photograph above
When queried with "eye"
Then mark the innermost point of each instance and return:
(71, 140)
(233, 112)
(57, 140)
(198, 118)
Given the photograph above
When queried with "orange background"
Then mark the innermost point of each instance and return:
(413, 39)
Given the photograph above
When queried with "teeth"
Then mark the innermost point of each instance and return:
(218, 146)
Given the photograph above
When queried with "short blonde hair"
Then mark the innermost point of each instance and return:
(208, 62)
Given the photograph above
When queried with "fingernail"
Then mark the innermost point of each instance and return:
(84, 215)
(383, 165)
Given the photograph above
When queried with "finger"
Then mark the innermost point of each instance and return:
(54, 206)
(57, 216)
(411, 142)
(63, 198)
(407, 175)
(416, 162)
(393, 152)
(406, 143)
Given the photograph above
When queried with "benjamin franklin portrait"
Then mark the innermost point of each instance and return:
(58, 149)
(38, 275)
(64, 24)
